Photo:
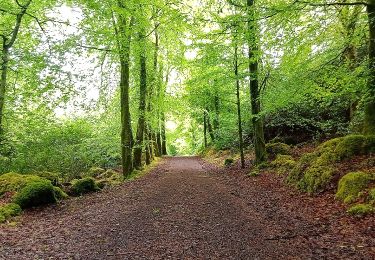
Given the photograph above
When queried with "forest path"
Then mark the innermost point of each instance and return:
(184, 209)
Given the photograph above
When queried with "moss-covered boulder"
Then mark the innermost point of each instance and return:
(314, 171)
(82, 186)
(59, 193)
(94, 172)
(352, 184)
(15, 182)
(228, 161)
(9, 210)
(274, 149)
(35, 194)
(283, 163)
(51, 176)
(361, 210)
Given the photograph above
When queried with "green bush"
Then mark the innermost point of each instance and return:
(274, 149)
(361, 210)
(351, 185)
(83, 186)
(9, 210)
(228, 161)
(35, 194)
(15, 182)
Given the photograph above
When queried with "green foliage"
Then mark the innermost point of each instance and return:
(9, 210)
(283, 163)
(352, 184)
(14, 182)
(82, 186)
(35, 194)
(361, 210)
(228, 161)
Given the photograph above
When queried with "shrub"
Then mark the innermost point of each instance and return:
(361, 210)
(228, 161)
(351, 185)
(283, 163)
(274, 149)
(9, 210)
(83, 186)
(59, 193)
(15, 182)
(35, 194)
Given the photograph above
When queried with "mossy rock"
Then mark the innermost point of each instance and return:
(314, 171)
(35, 194)
(59, 193)
(110, 174)
(94, 172)
(82, 186)
(254, 172)
(355, 145)
(371, 196)
(352, 184)
(51, 176)
(296, 174)
(274, 149)
(228, 161)
(316, 178)
(15, 182)
(283, 163)
(9, 210)
(361, 210)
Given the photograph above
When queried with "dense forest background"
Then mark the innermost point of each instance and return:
(116, 83)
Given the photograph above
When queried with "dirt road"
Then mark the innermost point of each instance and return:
(184, 210)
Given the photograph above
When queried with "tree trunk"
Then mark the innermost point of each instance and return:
(240, 136)
(217, 113)
(257, 120)
(123, 37)
(147, 146)
(205, 129)
(209, 127)
(142, 106)
(163, 135)
(369, 121)
(3, 83)
(7, 45)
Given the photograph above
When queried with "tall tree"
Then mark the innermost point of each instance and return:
(138, 148)
(8, 41)
(238, 101)
(123, 25)
(258, 126)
